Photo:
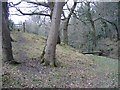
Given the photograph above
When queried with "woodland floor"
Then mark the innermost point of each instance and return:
(74, 69)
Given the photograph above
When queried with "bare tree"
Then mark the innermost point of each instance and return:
(6, 40)
(48, 5)
(50, 50)
(66, 22)
(90, 19)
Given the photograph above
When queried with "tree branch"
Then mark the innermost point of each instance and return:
(32, 13)
(17, 14)
(13, 5)
(38, 3)
(79, 19)
(72, 9)
(100, 18)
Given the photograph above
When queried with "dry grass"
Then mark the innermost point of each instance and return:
(74, 69)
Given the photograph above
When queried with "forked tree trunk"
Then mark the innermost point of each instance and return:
(66, 22)
(50, 50)
(6, 41)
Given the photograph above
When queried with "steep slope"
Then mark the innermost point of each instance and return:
(74, 69)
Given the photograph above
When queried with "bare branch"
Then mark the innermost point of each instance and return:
(72, 9)
(13, 5)
(32, 13)
(38, 3)
(79, 19)
(63, 14)
(17, 14)
(117, 30)
(29, 7)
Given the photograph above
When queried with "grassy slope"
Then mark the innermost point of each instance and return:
(74, 70)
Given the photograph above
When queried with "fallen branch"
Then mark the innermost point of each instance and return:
(94, 52)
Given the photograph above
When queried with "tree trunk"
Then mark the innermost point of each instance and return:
(118, 30)
(1, 71)
(65, 31)
(66, 22)
(50, 50)
(94, 35)
(24, 27)
(51, 5)
(7, 54)
(6, 41)
(89, 16)
(58, 39)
